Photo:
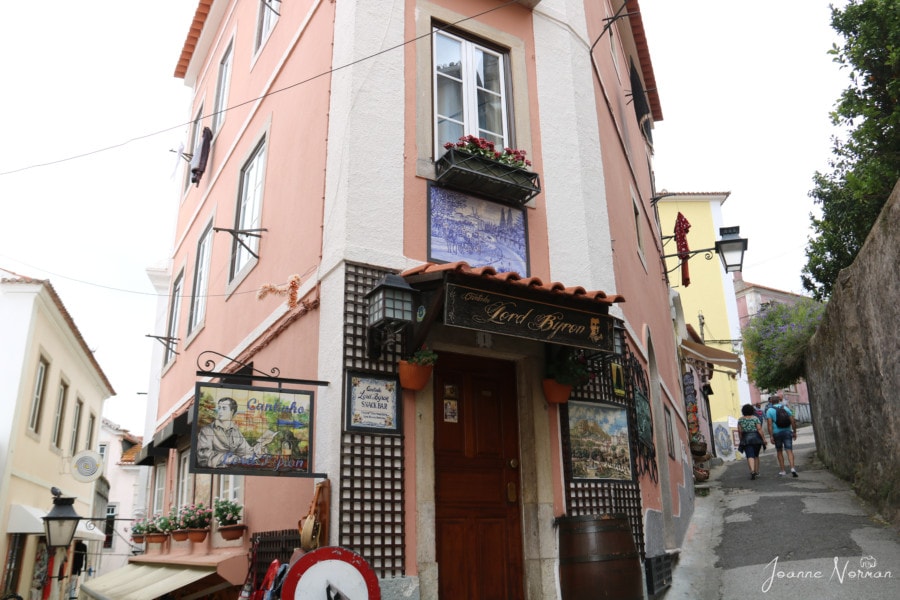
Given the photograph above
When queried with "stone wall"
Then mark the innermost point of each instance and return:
(853, 369)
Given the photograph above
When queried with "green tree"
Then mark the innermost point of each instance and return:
(866, 164)
(776, 339)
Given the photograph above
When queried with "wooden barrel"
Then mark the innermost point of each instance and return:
(598, 559)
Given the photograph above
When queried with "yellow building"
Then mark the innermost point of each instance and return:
(706, 291)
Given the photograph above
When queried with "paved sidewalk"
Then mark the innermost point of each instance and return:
(800, 538)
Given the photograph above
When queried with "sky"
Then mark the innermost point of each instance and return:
(745, 91)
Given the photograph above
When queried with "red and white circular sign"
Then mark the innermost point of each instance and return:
(332, 572)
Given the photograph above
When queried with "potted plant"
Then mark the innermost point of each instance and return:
(179, 531)
(139, 530)
(416, 370)
(158, 529)
(194, 520)
(475, 165)
(566, 368)
(228, 513)
(698, 443)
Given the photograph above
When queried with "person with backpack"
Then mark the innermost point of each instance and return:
(752, 438)
(782, 431)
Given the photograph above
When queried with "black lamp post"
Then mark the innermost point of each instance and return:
(61, 522)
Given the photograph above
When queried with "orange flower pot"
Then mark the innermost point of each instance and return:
(197, 535)
(556, 392)
(180, 535)
(232, 532)
(414, 377)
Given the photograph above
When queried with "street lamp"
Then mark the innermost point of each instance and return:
(61, 522)
(730, 248)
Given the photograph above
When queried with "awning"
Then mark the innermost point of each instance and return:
(708, 354)
(30, 520)
(143, 582)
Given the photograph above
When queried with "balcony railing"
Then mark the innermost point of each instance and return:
(487, 178)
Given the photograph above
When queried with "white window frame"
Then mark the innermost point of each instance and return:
(174, 318)
(89, 433)
(159, 489)
(185, 495)
(112, 513)
(196, 130)
(197, 314)
(59, 417)
(248, 213)
(638, 229)
(470, 90)
(222, 85)
(37, 397)
(76, 425)
(266, 19)
(230, 487)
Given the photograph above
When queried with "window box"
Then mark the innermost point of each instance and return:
(485, 177)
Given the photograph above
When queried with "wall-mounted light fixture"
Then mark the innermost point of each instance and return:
(60, 523)
(730, 248)
(389, 310)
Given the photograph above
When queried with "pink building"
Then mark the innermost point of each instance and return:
(750, 297)
(318, 167)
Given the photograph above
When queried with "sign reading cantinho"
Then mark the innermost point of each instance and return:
(474, 308)
(250, 430)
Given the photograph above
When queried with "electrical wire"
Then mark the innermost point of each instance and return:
(272, 93)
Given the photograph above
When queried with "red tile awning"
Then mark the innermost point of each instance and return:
(515, 279)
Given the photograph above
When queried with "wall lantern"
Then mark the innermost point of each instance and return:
(389, 311)
(60, 523)
(730, 248)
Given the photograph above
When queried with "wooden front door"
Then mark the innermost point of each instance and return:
(477, 491)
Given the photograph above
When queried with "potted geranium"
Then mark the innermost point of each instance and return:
(195, 520)
(476, 165)
(139, 530)
(416, 370)
(228, 513)
(158, 529)
(565, 369)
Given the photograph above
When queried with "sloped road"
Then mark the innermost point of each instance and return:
(800, 538)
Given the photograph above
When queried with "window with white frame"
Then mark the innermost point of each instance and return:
(470, 91)
(159, 489)
(174, 317)
(269, 10)
(201, 280)
(196, 130)
(248, 212)
(185, 480)
(89, 434)
(230, 487)
(103, 450)
(112, 511)
(222, 86)
(638, 231)
(76, 426)
(56, 438)
(37, 395)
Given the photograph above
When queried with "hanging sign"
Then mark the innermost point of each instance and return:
(249, 430)
(517, 316)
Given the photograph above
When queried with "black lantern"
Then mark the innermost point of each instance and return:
(61, 522)
(731, 248)
(390, 310)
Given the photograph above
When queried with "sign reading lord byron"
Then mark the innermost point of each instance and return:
(251, 430)
(474, 308)
(372, 403)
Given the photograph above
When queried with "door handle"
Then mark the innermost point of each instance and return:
(513, 463)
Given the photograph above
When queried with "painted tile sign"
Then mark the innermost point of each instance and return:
(600, 446)
(373, 404)
(251, 430)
